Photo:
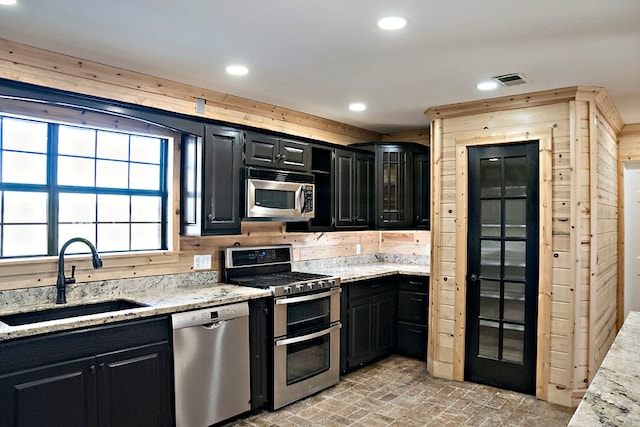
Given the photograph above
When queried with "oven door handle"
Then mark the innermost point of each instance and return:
(304, 298)
(294, 340)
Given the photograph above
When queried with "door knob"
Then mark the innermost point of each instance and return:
(473, 278)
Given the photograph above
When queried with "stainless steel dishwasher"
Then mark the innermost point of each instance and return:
(211, 364)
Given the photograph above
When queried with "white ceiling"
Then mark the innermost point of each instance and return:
(316, 56)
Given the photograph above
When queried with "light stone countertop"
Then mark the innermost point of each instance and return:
(169, 294)
(613, 398)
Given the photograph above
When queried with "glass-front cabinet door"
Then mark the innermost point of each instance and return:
(502, 281)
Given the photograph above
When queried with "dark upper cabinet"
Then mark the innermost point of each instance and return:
(353, 174)
(422, 190)
(211, 182)
(394, 188)
(275, 152)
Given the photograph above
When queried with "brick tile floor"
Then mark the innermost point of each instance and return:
(398, 391)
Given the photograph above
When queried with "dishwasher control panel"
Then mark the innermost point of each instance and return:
(209, 315)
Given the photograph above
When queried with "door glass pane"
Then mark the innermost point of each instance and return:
(490, 299)
(514, 301)
(490, 173)
(490, 258)
(513, 343)
(488, 339)
(514, 262)
(515, 176)
(515, 217)
(490, 219)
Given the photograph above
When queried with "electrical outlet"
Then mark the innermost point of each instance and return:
(202, 262)
(358, 249)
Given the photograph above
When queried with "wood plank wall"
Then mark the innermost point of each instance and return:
(564, 118)
(36, 66)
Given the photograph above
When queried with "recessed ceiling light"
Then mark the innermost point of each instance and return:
(392, 23)
(487, 85)
(237, 70)
(7, 2)
(357, 106)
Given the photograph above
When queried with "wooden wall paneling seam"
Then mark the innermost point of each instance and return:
(545, 265)
(575, 220)
(593, 257)
(433, 346)
(460, 303)
(621, 238)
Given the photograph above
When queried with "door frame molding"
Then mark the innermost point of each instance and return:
(545, 160)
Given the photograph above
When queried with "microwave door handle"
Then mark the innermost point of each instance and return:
(302, 200)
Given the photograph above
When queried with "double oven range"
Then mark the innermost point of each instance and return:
(305, 319)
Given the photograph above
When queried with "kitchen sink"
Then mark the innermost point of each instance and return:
(65, 312)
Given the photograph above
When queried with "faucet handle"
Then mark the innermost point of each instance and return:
(72, 279)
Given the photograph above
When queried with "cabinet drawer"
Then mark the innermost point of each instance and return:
(415, 284)
(370, 287)
(412, 340)
(413, 307)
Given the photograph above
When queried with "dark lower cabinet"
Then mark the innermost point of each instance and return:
(371, 314)
(382, 317)
(105, 378)
(413, 307)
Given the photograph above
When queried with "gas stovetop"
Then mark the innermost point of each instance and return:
(269, 267)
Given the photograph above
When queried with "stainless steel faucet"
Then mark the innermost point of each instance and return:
(61, 284)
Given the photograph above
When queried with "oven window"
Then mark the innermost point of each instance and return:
(308, 358)
(308, 315)
(277, 199)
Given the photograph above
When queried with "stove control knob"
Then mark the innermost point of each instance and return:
(332, 283)
(286, 289)
(321, 283)
(310, 286)
(299, 288)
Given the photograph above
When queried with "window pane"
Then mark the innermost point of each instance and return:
(76, 141)
(69, 231)
(145, 236)
(113, 237)
(24, 135)
(145, 149)
(146, 209)
(113, 145)
(24, 207)
(77, 208)
(112, 208)
(75, 171)
(24, 168)
(24, 240)
(145, 177)
(112, 174)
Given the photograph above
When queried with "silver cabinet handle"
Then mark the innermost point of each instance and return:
(288, 341)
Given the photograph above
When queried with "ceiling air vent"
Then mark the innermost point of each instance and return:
(513, 79)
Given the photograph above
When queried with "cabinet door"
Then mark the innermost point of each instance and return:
(293, 155)
(343, 188)
(361, 333)
(422, 193)
(394, 187)
(221, 175)
(385, 316)
(62, 394)
(134, 387)
(412, 340)
(261, 150)
(362, 200)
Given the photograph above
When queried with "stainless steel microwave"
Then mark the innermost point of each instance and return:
(278, 195)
